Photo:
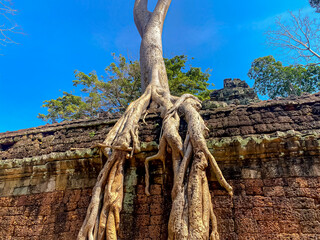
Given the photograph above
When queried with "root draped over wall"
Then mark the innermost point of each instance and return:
(275, 173)
(191, 211)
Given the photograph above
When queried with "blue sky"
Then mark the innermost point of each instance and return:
(63, 36)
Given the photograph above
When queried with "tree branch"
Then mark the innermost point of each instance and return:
(301, 35)
(159, 14)
(141, 15)
(8, 26)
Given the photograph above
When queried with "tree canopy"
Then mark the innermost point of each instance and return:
(315, 4)
(297, 37)
(275, 80)
(120, 85)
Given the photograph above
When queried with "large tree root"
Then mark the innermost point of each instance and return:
(191, 201)
(192, 210)
(102, 219)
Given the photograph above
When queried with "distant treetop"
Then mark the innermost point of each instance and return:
(275, 80)
(315, 4)
(120, 86)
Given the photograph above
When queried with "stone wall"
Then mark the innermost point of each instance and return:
(268, 151)
(234, 91)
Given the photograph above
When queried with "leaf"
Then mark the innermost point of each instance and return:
(120, 85)
(275, 80)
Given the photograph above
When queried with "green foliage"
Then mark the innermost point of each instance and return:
(67, 107)
(192, 81)
(111, 93)
(315, 4)
(275, 80)
(119, 87)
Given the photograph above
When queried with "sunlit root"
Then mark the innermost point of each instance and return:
(191, 201)
(107, 194)
(171, 139)
(159, 156)
(196, 128)
(102, 219)
(188, 106)
(122, 132)
(192, 209)
(214, 226)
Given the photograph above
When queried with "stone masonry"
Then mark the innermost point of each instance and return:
(268, 151)
(235, 91)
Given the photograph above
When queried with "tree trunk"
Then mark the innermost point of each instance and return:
(192, 210)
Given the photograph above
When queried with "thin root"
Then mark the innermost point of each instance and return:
(159, 156)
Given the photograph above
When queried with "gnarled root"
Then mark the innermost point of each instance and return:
(103, 214)
(191, 201)
(192, 209)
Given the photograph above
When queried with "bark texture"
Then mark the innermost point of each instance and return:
(192, 214)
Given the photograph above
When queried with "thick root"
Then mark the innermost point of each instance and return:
(125, 132)
(111, 180)
(102, 219)
(191, 201)
(196, 128)
(192, 210)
